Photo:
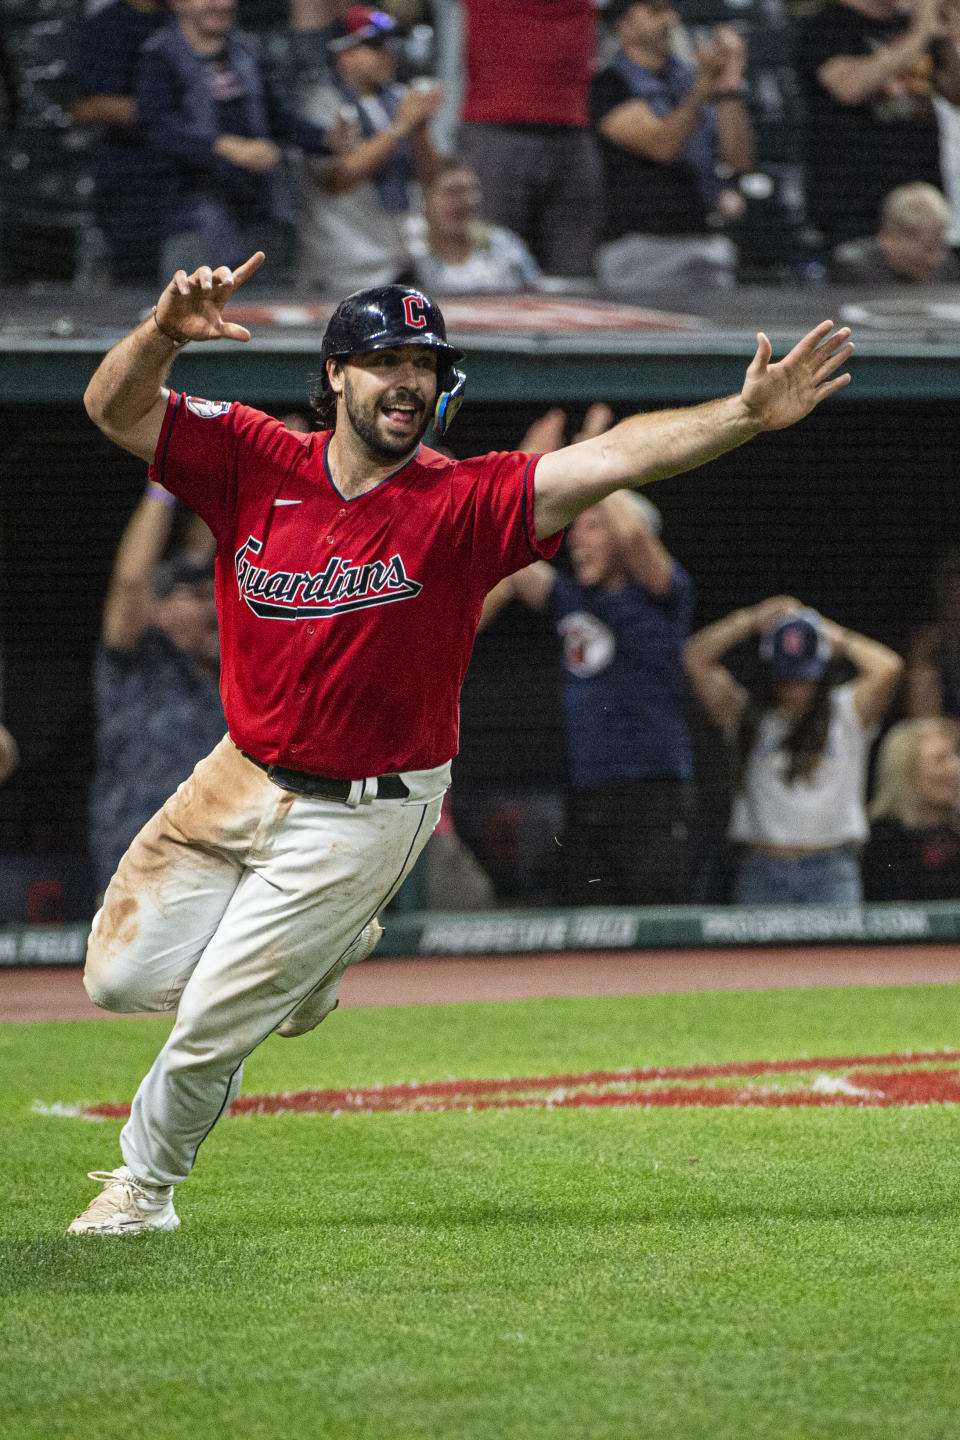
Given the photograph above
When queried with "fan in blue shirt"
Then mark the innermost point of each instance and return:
(623, 618)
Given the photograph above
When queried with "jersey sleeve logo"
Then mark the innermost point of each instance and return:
(208, 409)
(300, 595)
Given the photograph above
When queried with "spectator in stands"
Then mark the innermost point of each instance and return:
(908, 249)
(914, 848)
(156, 677)
(933, 658)
(216, 117)
(526, 124)
(623, 617)
(800, 744)
(869, 71)
(354, 203)
(665, 127)
(454, 251)
(129, 199)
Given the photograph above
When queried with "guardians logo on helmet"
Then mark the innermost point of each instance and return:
(384, 318)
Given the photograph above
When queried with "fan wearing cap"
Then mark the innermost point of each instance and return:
(155, 678)
(351, 569)
(801, 745)
(354, 203)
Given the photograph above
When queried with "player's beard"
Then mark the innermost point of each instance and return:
(364, 418)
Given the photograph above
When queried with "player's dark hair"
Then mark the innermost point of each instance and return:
(804, 743)
(323, 402)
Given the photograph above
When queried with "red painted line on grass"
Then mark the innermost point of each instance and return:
(842, 1080)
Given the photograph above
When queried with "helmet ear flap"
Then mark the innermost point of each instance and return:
(449, 400)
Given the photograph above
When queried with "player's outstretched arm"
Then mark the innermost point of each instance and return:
(126, 397)
(667, 442)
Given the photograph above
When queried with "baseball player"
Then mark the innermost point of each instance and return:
(352, 565)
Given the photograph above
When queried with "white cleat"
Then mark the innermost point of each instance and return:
(126, 1206)
(325, 998)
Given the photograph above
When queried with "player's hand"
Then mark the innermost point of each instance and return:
(191, 307)
(780, 394)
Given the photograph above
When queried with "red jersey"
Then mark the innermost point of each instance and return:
(346, 626)
(529, 62)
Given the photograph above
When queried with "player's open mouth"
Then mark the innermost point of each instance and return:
(403, 415)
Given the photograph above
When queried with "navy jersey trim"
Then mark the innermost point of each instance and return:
(348, 500)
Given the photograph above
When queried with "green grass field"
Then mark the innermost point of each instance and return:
(781, 1273)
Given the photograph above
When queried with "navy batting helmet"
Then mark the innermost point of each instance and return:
(388, 316)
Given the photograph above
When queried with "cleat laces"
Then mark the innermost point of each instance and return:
(120, 1192)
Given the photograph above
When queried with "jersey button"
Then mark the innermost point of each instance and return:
(301, 689)
(311, 629)
(329, 539)
(343, 510)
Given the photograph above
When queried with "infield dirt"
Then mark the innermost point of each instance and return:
(29, 994)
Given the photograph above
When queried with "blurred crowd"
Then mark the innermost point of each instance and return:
(770, 757)
(629, 147)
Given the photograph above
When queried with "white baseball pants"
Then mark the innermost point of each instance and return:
(233, 903)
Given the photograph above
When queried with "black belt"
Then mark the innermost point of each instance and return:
(325, 787)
